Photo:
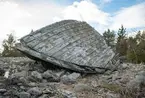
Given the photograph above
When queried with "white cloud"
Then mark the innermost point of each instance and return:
(21, 17)
(131, 17)
(85, 11)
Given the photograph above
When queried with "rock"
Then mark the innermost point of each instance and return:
(74, 76)
(24, 95)
(32, 84)
(69, 44)
(3, 90)
(13, 93)
(60, 73)
(116, 76)
(141, 73)
(38, 67)
(125, 66)
(36, 76)
(13, 81)
(70, 79)
(110, 95)
(2, 71)
(68, 94)
(19, 74)
(82, 87)
(44, 96)
(50, 76)
(138, 81)
(23, 80)
(123, 59)
(47, 91)
(35, 91)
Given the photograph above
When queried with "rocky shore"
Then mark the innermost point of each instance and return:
(25, 78)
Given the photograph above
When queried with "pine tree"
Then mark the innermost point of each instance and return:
(109, 37)
(121, 46)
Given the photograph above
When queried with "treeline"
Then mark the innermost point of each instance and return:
(132, 48)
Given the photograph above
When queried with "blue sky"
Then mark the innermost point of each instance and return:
(21, 16)
(109, 6)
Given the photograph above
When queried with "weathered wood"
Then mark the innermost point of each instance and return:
(69, 44)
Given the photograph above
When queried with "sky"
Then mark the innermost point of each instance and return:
(21, 16)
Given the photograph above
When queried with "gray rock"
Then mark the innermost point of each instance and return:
(32, 84)
(74, 76)
(125, 66)
(11, 92)
(142, 73)
(24, 95)
(110, 95)
(116, 76)
(3, 90)
(68, 94)
(44, 96)
(47, 91)
(13, 80)
(50, 76)
(70, 44)
(70, 79)
(35, 91)
(36, 76)
(2, 71)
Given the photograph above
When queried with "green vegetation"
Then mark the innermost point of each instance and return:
(9, 49)
(109, 37)
(133, 48)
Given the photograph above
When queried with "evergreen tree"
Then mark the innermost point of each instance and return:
(136, 48)
(109, 37)
(121, 46)
(121, 33)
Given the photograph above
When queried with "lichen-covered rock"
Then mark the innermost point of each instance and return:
(69, 44)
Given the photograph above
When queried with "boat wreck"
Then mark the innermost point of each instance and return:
(69, 44)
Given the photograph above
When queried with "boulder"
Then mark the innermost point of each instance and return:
(69, 44)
